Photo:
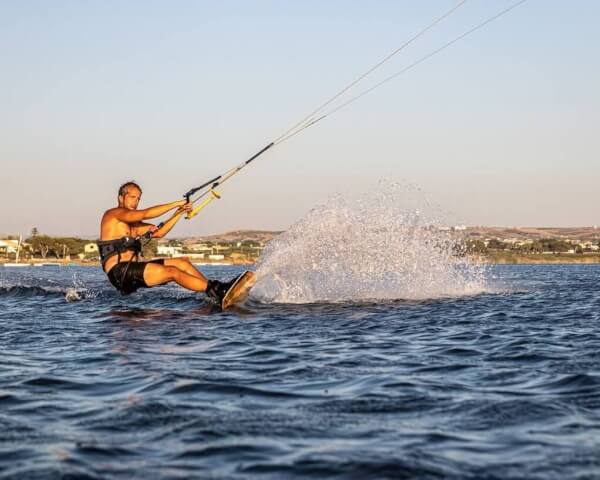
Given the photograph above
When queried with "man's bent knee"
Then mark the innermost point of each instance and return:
(155, 274)
(171, 272)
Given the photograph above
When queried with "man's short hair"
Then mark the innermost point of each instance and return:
(123, 188)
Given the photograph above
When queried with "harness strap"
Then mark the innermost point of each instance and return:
(110, 248)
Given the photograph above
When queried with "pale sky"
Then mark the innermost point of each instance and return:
(500, 129)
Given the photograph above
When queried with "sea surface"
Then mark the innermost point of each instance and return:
(501, 384)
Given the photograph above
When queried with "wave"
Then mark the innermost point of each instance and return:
(70, 294)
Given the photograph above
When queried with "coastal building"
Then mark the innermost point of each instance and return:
(589, 246)
(8, 246)
(199, 247)
(169, 251)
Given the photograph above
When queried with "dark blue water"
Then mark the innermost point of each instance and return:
(160, 385)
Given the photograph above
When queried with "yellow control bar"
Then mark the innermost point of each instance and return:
(214, 195)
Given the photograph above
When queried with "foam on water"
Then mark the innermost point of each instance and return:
(378, 247)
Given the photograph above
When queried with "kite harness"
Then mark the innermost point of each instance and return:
(110, 248)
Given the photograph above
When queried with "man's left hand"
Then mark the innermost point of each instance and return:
(187, 208)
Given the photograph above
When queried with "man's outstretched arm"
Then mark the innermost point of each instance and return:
(135, 216)
(170, 223)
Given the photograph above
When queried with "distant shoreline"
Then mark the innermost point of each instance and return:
(494, 258)
(65, 263)
(511, 258)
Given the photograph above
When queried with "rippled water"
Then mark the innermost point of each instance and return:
(160, 385)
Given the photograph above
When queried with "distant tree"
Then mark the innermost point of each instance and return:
(495, 244)
(579, 249)
(536, 247)
(72, 245)
(554, 245)
(40, 245)
(475, 246)
(562, 246)
(43, 245)
(150, 249)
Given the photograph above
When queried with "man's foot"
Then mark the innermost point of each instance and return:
(216, 290)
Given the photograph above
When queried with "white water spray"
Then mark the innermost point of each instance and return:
(375, 248)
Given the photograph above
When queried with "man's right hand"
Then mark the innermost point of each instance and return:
(185, 206)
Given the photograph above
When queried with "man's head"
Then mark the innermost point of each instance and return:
(129, 195)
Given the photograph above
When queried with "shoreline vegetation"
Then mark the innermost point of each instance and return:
(487, 245)
(510, 258)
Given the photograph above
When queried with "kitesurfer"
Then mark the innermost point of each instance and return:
(120, 246)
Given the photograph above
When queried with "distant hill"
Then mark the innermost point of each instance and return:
(579, 233)
(261, 236)
(501, 233)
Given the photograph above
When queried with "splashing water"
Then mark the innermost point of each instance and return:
(72, 295)
(375, 248)
(79, 291)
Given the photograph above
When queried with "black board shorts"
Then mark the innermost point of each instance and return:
(127, 277)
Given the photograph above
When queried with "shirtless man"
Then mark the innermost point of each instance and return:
(120, 247)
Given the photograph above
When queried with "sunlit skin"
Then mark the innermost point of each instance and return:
(127, 220)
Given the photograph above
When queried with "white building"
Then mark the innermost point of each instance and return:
(199, 247)
(168, 251)
(9, 246)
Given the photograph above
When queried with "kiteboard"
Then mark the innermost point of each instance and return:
(238, 292)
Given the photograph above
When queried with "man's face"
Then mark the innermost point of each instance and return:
(131, 199)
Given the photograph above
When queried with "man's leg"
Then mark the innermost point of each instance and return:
(183, 263)
(157, 274)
